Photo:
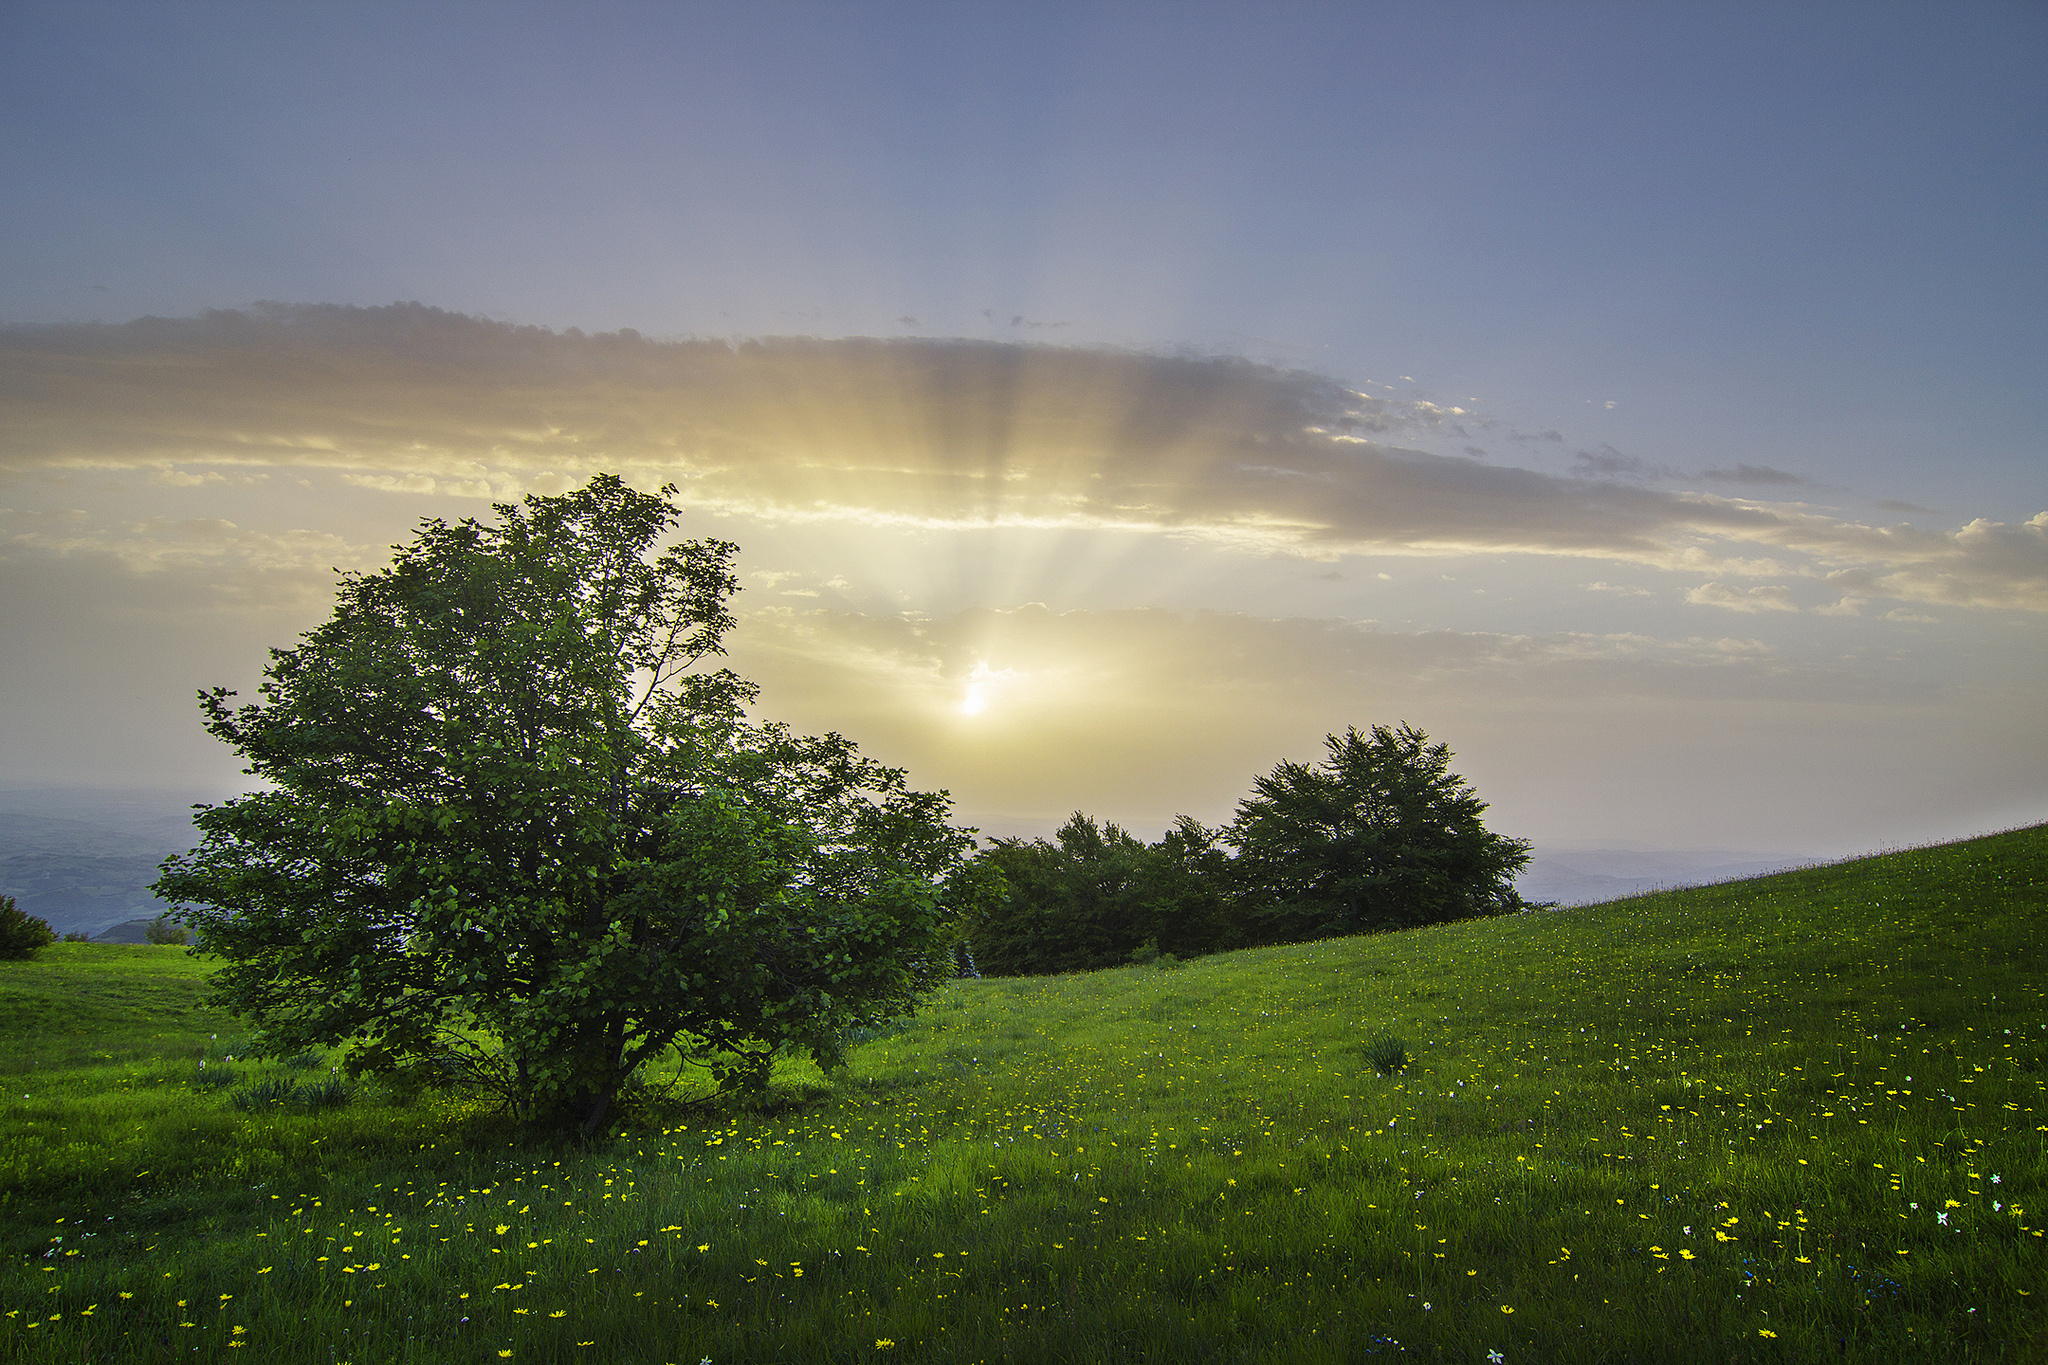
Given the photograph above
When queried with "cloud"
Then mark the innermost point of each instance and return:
(909, 433)
(483, 485)
(1985, 564)
(1019, 320)
(229, 556)
(1609, 463)
(1768, 597)
(1756, 474)
(1620, 589)
(1890, 505)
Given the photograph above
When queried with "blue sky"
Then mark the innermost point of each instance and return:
(1785, 259)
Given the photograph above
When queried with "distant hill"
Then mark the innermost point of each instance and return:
(1588, 876)
(83, 861)
(129, 931)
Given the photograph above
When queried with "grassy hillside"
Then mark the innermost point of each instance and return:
(1798, 1117)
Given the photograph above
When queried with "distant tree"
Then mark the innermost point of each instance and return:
(164, 932)
(1189, 902)
(510, 801)
(1380, 835)
(1069, 901)
(76, 937)
(1095, 894)
(22, 935)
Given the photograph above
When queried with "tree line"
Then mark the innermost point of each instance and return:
(1380, 835)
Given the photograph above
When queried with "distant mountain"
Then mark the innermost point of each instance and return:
(83, 861)
(1587, 876)
(130, 931)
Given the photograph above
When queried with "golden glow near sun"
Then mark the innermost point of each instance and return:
(981, 687)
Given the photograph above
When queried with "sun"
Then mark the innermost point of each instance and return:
(982, 685)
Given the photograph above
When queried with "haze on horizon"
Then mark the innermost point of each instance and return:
(1644, 404)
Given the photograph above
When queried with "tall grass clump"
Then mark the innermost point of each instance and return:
(1386, 1054)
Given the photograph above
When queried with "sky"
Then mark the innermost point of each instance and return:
(1109, 401)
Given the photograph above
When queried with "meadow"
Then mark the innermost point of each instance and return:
(1798, 1117)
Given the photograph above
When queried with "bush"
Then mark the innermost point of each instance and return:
(76, 937)
(327, 1094)
(22, 935)
(305, 1061)
(1387, 1054)
(162, 931)
(265, 1094)
(215, 1078)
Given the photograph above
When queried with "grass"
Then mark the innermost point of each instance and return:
(1797, 1117)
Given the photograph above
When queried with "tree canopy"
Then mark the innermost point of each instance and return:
(1380, 835)
(1095, 894)
(22, 935)
(514, 818)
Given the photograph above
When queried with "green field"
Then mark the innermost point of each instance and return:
(1796, 1118)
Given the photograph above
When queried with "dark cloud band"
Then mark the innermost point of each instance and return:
(908, 431)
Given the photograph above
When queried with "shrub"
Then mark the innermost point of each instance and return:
(1387, 1054)
(305, 1061)
(75, 937)
(328, 1094)
(162, 931)
(22, 935)
(215, 1078)
(265, 1094)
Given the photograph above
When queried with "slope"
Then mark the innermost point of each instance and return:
(1800, 1116)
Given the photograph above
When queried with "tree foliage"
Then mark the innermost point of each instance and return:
(162, 931)
(516, 820)
(1380, 835)
(1095, 894)
(22, 935)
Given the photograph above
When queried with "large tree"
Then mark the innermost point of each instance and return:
(515, 817)
(1380, 835)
